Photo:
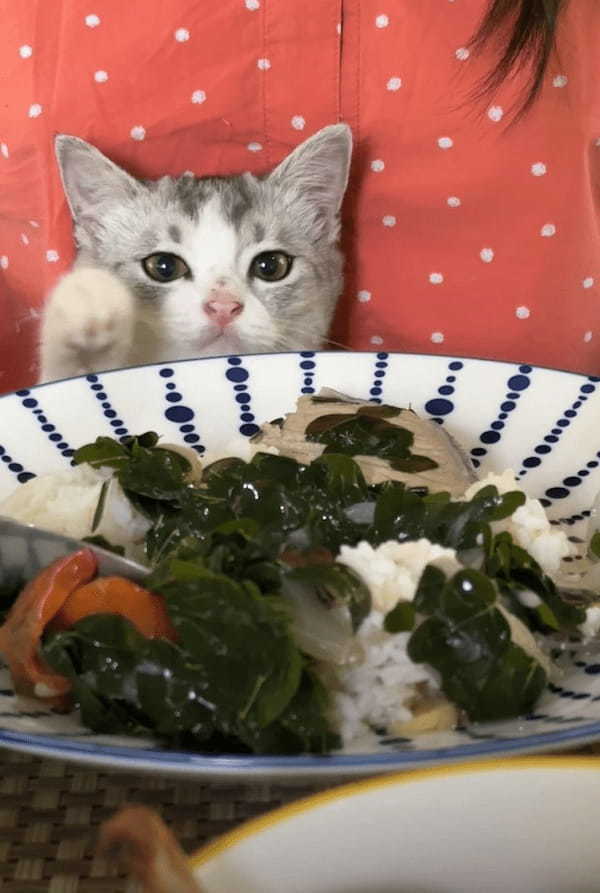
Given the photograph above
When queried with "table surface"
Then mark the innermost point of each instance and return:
(50, 812)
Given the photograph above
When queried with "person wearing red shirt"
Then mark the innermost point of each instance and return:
(471, 225)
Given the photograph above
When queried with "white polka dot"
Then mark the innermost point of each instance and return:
(588, 282)
(597, 143)
(377, 165)
(4, 262)
(487, 255)
(495, 113)
(4, 150)
(376, 339)
(445, 142)
(437, 337)
(436, 278)
(52, 256)
(254, 147)
(298, 122)
(101, 76)
(382, 21)
(462, 53)
(25, 51)
(522, 312)
(92, 21)
(587, 336)
(548, 229)
(34, 223)
(263, 64)
(561, 80)
(394, 84)
(389, 220)
(252, 4)
(35, 110)
(363, 296)
(181, 35)
(538, 169)
(138, 132)
(24, 238)
(453, 201)
(338, 28)
(198, 96)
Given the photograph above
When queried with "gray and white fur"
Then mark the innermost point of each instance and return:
(109, 311)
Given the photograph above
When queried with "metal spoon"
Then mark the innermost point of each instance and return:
(25, 550)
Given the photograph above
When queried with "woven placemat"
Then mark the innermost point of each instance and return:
(50, 812)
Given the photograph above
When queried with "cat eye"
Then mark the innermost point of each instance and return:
(165, 267)
(271, 266)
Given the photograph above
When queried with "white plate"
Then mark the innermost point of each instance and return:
(528, 826)
(542, 423)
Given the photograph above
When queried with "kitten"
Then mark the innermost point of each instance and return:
(183, 267)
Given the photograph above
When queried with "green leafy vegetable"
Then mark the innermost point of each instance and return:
(467, 640)
(401, 618)
(99, 511)
(143, 469)
(234, 674)
(594, 546)
(517, 572)
(368, 434)
(105, 451)
(404, 515)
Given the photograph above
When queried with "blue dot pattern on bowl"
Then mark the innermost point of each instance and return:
(553, 436)
(308, 368)
(569, 482)
(178, 413)
(239, 376)
(381, 367)
(441, 406)
(55, 437)
(17, 469)
(516, 384)
(110, 414)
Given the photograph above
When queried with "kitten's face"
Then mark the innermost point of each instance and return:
(219, 265)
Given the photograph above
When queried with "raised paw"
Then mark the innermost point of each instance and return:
(87, 325)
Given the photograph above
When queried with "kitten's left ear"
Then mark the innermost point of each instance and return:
(318, 168)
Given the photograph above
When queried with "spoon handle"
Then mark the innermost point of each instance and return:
(25, 550)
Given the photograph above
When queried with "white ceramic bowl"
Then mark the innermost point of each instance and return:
(542, 423)
(524, 826)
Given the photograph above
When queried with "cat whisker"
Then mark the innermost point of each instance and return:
(332, 343)
(295, 342)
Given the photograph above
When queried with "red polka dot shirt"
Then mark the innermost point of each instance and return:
(466, 233)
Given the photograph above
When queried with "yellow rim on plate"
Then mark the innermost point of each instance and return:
(305, 804)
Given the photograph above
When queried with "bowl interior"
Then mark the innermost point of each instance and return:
(524, 825)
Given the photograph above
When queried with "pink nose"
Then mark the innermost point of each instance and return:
(222, 310)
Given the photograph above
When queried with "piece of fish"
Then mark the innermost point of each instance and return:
(453, 474)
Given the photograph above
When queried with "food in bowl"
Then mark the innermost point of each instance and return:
(347, 576)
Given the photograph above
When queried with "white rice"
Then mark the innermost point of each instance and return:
(529, 524)
(65, 502)
(379, 689)
(392, 570)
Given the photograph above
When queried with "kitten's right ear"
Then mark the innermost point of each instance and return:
(89, 178)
